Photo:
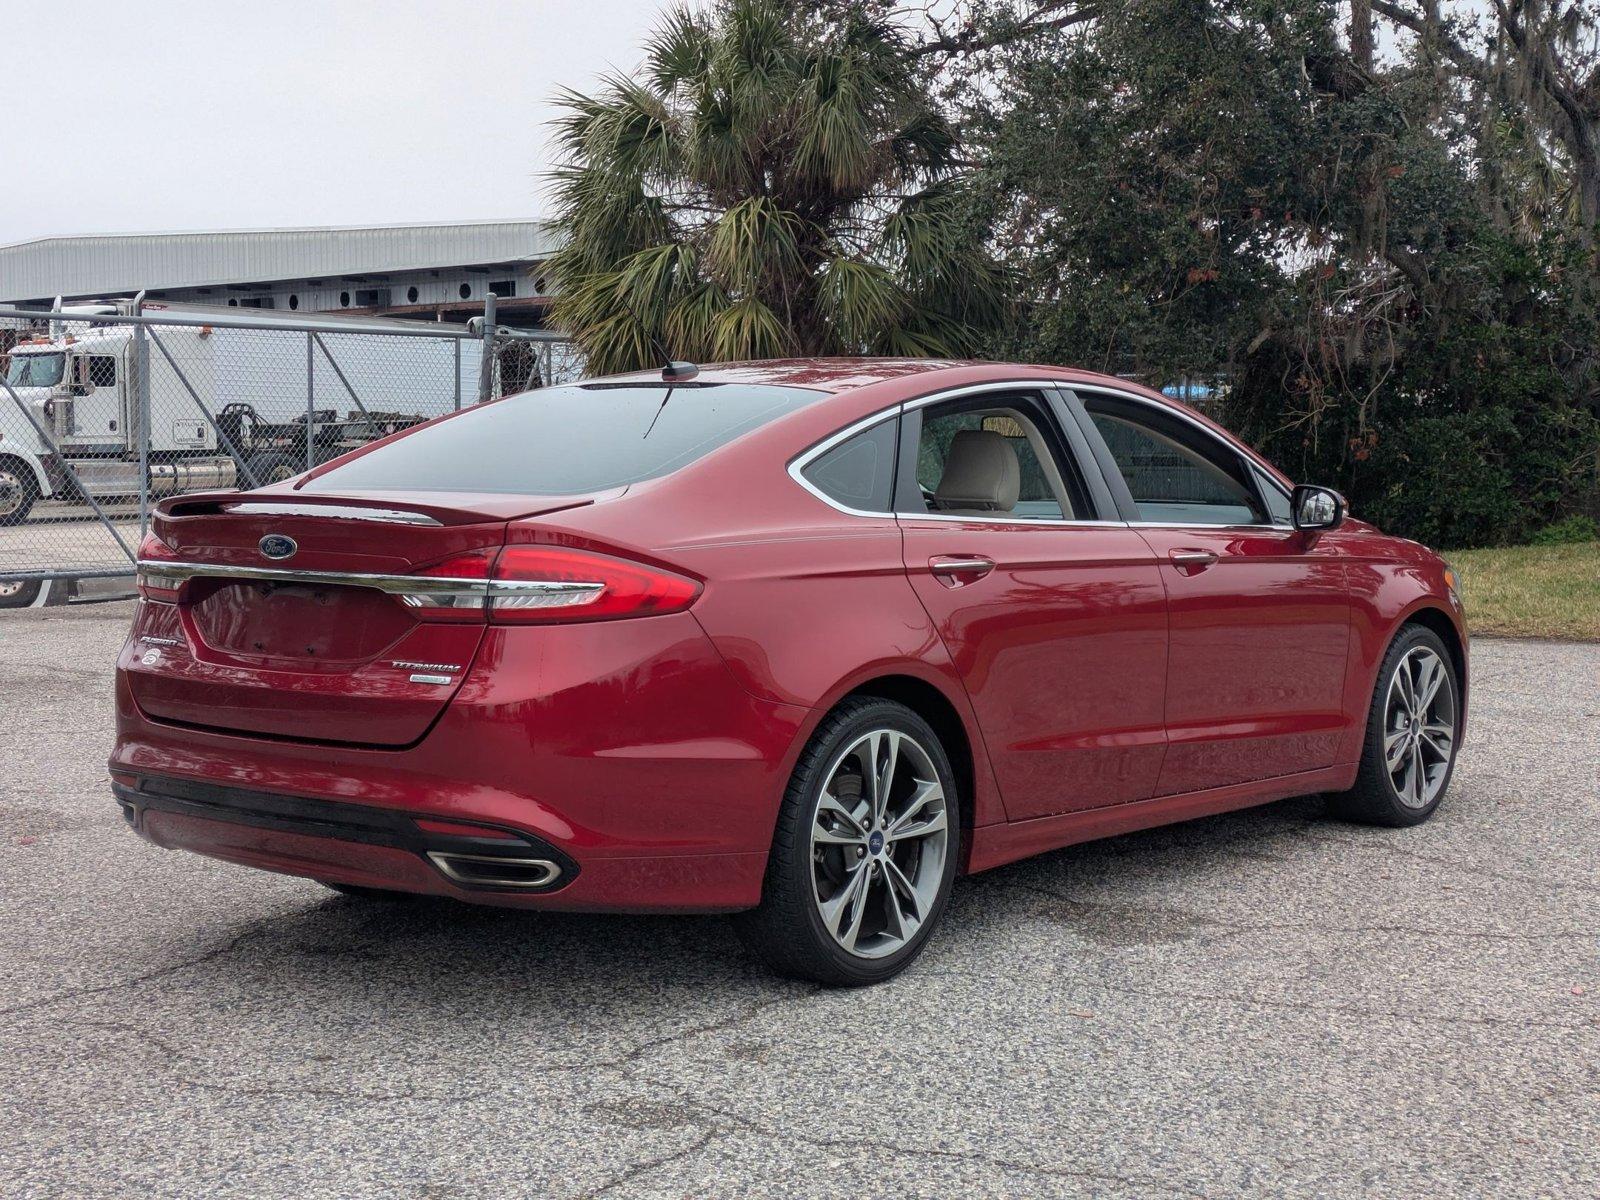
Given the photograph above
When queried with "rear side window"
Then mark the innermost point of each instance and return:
(994, 457)
(561, 441)
(859, 472)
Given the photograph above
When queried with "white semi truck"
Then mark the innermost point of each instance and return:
(269, 393)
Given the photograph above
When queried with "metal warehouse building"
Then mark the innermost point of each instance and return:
(437, 272)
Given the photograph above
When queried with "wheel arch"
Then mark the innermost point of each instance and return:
(29, 462)
(934, 707)
(1441, 623)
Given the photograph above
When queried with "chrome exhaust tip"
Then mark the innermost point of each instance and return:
(495, 870)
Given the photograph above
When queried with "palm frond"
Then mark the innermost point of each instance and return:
(751, 241)
(745, 194)
(747, 328)
(690, 329)
(677, 54)
(859, 300)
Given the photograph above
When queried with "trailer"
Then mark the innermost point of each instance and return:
(225, 406)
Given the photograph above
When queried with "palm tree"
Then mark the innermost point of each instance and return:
(774, 180)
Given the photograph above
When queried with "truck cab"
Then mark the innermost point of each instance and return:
(37, 371)
(76, 387)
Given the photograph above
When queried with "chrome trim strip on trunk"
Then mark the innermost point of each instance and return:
(416, 590)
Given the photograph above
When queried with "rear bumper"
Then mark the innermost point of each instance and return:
(382, 848)
(628, 755)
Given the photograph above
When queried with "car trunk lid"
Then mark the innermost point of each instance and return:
(292, 616)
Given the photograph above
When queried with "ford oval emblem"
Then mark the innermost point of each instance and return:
(276, 545)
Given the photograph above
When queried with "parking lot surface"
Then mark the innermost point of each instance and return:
(1267, 1004)
(60, 537)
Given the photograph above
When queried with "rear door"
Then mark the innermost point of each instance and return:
(1260, 615)
(1051, 608)
(286, 617)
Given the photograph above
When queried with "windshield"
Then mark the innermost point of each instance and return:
(561, 441)
(35, 370)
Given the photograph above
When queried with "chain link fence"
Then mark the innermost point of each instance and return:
(107, 409)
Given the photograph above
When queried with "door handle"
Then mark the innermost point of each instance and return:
(955, 570)
(1193, 560)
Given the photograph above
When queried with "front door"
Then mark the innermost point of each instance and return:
(1054, 616)
(1259, 613)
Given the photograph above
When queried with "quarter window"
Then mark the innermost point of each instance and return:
(859, 472)
(1176, 474)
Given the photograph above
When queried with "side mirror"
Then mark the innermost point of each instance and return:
(1316, 508)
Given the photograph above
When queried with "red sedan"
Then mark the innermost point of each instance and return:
(797, 640)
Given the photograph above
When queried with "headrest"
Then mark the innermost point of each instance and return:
(981, 472)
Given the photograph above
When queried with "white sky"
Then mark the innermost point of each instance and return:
(219, 114)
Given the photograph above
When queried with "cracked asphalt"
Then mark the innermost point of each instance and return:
(1263, 1004)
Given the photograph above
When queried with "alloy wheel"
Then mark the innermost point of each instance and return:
(1419, 727)
(879, 837)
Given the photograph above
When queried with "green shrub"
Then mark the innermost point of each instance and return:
(1573, 530)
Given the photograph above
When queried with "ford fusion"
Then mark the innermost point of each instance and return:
(800, 641)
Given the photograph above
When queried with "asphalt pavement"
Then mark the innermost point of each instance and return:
(1268, 1003)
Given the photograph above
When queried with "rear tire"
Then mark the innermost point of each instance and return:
(1413, 734)
(18, 491)
(862, 860)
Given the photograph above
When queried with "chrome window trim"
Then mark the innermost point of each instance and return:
(1185, 525)
(895, 412)
(804, 459)
(1025, 522)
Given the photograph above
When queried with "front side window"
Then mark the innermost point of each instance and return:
(102, 371)
(992, 457)
(1176, 474)
(561, 441)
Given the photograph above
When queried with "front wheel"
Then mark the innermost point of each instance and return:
(1413, 732)
(865, 850)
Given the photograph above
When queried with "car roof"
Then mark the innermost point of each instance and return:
(847, 374)
(882, 381)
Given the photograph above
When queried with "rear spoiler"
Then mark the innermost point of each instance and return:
(448, 508)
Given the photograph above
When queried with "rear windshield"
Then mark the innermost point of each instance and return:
(567, 440)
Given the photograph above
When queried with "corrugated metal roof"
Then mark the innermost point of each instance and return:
(112, 264)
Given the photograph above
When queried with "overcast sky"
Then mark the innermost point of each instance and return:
(215, 114)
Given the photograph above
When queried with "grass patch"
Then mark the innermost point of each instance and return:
(1532, 591)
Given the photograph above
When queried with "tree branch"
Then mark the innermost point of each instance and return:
(1431, 28)
(970, 41)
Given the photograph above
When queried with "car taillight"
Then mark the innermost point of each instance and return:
(152, 585)
(527, 585)
(550, 583)
(456, 589)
